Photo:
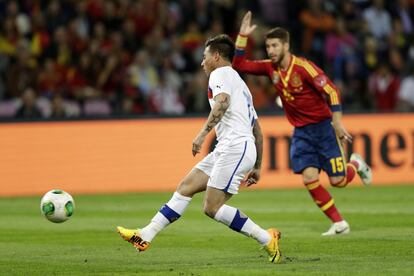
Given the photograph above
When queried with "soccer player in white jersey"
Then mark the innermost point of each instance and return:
(236, 157)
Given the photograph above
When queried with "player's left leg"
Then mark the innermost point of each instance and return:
(339, 171)
(363, 169)
(215, 207)
(342, 181)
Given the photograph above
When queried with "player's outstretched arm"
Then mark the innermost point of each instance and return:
(240, 63)
(217, 112)
(254, 175)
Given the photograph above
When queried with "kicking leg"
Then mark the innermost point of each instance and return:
(355, 166)
(194, 182)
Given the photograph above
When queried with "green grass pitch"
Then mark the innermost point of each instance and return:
(381, 241)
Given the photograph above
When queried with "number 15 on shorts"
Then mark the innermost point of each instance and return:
(337, 164)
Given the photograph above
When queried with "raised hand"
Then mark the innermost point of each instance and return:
(246, 28)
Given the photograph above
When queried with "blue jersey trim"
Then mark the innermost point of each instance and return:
(239, 52)
(336, 107)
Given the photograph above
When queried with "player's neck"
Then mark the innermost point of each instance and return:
(223, 63)
(284, 64)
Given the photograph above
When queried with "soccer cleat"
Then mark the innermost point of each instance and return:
(364, 171)
(133, 236)
(338, 228)
(272, 248)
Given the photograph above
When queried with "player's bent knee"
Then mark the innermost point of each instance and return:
(189, 188)
(310, 175)
(185, 189)
(193, 183)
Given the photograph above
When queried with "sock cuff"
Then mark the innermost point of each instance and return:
(219, 213)
(179, 196)
(312, 181)
(175, 207)
(353, 164)
(225, 214)
(231, 217)
(311, 185)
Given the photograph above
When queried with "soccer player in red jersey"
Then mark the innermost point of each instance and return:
(312, 105)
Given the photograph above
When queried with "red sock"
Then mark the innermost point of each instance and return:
(323, 199)
(351, 169)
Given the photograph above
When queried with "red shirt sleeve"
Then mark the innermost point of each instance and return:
(256, 67)
(321, 83)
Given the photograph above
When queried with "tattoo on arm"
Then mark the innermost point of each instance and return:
(257, 132)
(222, 104)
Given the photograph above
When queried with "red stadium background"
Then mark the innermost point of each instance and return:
(154, 154)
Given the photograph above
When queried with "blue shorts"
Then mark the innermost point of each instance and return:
(316, 145)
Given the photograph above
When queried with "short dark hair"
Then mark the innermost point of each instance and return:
(222, 44)
(279, 33)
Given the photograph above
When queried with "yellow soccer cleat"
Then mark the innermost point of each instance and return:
(272, 248)
(133, 236)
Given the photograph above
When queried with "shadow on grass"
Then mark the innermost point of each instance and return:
(287, 260)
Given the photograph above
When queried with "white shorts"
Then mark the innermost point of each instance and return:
(227, 169)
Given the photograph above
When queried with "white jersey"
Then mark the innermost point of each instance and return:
(236, 124)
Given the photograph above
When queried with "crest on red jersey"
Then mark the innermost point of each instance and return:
(296, 80)
(276, 77)
(320, 80)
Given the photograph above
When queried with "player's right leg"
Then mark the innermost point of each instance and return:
(194, 182)
(229, 170)
(236, 220)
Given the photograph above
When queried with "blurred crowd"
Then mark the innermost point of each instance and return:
(71, 58)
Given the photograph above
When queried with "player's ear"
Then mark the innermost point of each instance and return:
(216, 56)
(286, 46)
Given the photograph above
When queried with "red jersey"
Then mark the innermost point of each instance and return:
(304, 88)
